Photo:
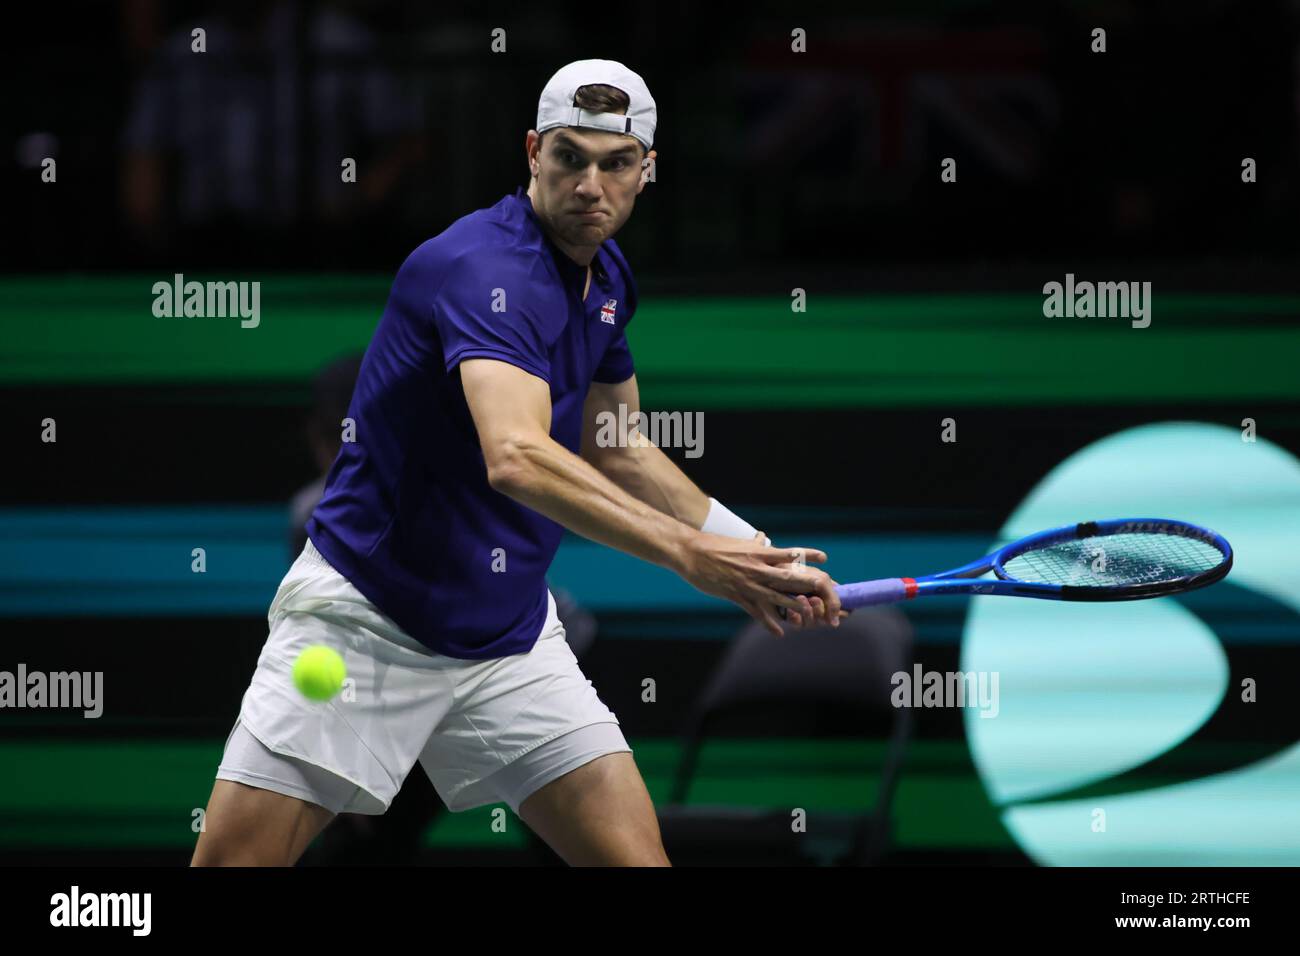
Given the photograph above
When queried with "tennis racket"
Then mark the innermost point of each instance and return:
(1125, 559)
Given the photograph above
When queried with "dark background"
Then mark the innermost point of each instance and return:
(766, 158)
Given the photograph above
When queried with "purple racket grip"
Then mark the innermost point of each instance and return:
(866, 593)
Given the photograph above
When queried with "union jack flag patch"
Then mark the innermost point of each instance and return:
(607, 311)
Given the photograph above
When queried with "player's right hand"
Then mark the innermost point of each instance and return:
(761, 579)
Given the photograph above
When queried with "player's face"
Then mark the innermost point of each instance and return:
(585, 183)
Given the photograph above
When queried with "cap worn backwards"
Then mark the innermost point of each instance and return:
(555, 108)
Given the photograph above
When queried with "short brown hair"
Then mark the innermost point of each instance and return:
(600, 98)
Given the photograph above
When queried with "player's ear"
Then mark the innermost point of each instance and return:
(533, 150)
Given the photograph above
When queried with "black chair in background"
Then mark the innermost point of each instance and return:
(815, 683)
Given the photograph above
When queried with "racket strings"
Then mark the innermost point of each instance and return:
(1115, 560)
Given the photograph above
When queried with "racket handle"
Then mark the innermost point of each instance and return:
(867, 593)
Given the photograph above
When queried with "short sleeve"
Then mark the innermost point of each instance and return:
(487, 308)
(616, 364)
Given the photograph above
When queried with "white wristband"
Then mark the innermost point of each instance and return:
(722, 521)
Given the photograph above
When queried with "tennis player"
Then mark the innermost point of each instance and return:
(475, 447)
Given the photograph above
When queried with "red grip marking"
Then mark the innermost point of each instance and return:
(909, 585)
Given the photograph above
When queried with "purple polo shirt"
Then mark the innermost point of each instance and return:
(408, 515)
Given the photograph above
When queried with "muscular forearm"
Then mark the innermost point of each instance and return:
(647, 474)
(547, 477)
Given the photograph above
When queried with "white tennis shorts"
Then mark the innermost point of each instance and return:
(484, 731)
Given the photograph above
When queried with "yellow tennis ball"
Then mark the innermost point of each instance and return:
(318, 672)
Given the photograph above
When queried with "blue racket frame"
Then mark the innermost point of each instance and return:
(957, 581)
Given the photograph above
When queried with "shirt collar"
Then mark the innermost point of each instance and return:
(568, 268)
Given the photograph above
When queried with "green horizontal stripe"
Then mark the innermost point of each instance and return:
(57, 795)
(697, 352)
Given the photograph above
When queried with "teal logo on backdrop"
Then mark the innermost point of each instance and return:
(1123, 737)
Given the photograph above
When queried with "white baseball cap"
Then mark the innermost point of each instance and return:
(555, 108)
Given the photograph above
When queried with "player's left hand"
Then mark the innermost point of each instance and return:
(814, 614)
(814, 608)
